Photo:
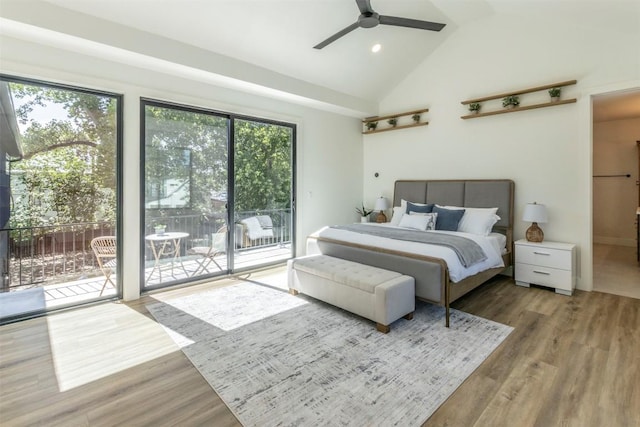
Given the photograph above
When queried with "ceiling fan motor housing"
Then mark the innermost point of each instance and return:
(368, 20)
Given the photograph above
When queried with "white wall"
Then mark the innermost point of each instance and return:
(329, 146)
(547, 152)
(615, 199)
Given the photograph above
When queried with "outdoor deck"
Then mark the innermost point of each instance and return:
(65, 293)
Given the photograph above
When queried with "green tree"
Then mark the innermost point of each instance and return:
(262, 166)
(67, 170)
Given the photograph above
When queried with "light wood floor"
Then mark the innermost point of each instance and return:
(571, 361)
(616, 270)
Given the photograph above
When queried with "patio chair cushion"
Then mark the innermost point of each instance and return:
(255, 229)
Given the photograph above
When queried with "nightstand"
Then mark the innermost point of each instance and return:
(551, 264)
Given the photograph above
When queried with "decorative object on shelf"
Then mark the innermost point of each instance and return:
(554, 93)
(474, 107)
(510, 101)
(371, 126)
(364, 213)
(394, 121)
(520, 107)
(535, 213)
(381, 205)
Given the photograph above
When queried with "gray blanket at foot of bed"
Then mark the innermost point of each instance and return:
(468, 251)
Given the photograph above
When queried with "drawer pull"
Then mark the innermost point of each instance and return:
(541, 253)
(542, 272)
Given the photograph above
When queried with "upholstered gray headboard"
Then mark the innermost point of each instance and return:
(469, 193)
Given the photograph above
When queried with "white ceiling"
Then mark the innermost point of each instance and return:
(279, 35)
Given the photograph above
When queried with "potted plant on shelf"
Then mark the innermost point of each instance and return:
(510, 101)
(393, 121)
(474, 107)
(371, 126)
(554, 93)
(364, 213)
(416, 118)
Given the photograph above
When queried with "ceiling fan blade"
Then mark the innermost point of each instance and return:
(411, 23)
(364, 6)
(336, 36)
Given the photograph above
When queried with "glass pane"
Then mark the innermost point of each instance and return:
(262, 193)
(58, 193)
(185, 194)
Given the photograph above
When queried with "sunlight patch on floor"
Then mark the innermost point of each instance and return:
(93, 343)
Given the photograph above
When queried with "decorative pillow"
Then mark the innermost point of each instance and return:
(403, 204)
(398, 211)
(419, 207)
(448, 219)
(433, 219)
(417, 222)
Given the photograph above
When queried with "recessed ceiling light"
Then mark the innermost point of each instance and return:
(376, 48)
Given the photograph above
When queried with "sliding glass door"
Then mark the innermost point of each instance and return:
(263, 189)
(59, 196)
(217, 193)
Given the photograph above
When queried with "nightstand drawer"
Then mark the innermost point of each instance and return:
(544, 256)
(556, 278)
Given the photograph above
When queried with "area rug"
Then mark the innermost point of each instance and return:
(280, 360)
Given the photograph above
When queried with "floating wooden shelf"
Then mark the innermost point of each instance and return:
(412, 125)
(519, 92)
(391, 116)
(513, 110)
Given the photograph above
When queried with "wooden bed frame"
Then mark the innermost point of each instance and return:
(431, 274)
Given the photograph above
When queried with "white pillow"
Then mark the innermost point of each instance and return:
(419, 222)
(477, 220)
(398, 211)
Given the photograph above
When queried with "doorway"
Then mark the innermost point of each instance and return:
(616, 192)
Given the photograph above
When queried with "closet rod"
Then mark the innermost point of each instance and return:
(627, 175)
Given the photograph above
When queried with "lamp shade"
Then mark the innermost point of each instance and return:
(534, 212)
(381, 204)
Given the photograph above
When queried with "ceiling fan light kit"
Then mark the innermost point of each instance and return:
(369, 18)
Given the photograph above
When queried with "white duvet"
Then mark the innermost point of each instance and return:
(492, 246)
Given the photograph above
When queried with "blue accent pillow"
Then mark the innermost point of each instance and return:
(448, 219)
(419, 208)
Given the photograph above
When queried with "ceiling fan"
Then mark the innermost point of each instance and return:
(369, 18)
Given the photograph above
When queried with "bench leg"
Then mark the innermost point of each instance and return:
(408, 316)
(293, 291)
(382, 328)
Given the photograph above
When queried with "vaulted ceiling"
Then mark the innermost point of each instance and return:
(275, 38)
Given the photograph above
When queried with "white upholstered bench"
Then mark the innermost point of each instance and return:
(374, 293)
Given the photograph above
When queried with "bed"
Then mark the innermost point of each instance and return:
(432, 273)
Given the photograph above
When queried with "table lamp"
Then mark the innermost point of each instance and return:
(381, 205)
(535, 213)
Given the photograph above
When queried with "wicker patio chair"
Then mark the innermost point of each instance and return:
(104, 249)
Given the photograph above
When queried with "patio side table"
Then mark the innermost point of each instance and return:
(166, 245)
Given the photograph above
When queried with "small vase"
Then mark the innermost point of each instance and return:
(510, 106)
(364, 219)
(555, 98)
